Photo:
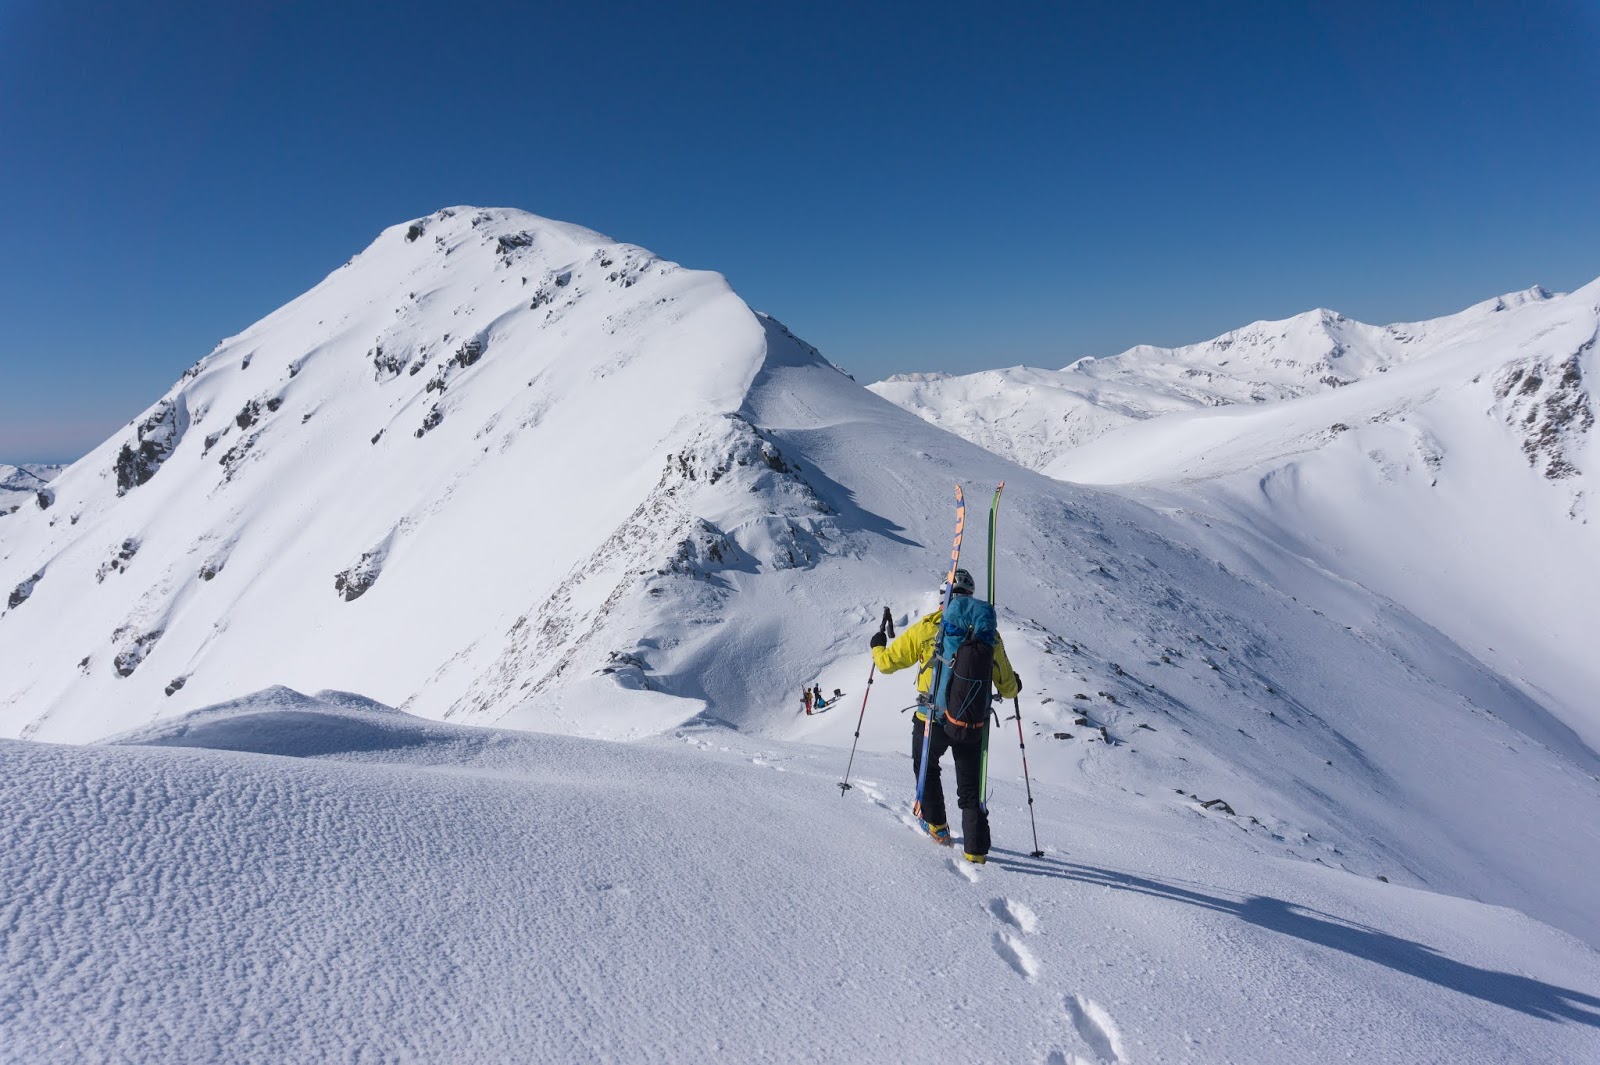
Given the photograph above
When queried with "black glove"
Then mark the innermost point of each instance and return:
(879, 640)
(1019, 682)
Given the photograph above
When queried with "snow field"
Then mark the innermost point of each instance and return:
(377, 887)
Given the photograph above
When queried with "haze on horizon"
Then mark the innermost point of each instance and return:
(908, 188)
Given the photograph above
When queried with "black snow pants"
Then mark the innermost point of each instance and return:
(968, 758)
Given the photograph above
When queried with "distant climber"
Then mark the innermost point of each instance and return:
(916, 647)
(815, 701)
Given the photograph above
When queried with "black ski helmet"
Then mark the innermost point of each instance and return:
(964, 584)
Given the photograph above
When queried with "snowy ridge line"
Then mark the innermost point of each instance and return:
(1035, 416)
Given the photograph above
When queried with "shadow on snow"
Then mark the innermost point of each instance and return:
(1521, 993)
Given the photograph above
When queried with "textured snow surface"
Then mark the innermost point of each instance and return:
(296, 878)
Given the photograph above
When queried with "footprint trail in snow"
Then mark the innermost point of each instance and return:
(1096, 1028)
(1016, 954)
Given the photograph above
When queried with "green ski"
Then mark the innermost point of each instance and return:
(983, 776)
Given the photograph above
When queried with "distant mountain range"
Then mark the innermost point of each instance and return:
(1447, 465)
(22, 483)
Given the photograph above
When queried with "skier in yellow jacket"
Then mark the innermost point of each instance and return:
(915, 647)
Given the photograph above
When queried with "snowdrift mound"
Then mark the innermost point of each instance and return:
(281, 721)
(484, 896)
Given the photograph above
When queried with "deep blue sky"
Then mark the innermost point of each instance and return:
(908, 186)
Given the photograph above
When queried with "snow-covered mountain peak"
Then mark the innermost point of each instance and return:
(1532, 294)
(463, 412)
(931, 375)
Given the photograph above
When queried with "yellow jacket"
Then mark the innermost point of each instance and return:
(914, 647)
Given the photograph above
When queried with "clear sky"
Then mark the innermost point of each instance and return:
(909, 186)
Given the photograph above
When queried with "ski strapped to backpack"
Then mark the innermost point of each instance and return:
(963, 663)
(983, 771)
(949, 590)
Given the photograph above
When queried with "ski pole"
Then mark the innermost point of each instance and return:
(886, 626)
(1037, 851)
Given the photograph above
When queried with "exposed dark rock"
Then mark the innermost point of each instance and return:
(45, 498)
(468, 353)
(119, 560)
(21, 592)
(354, 582)
(616, 660)
(83, 665)
(1063, 735)
(233, 458)
(248, 414)
(510, 242)
(155, 439)
(430, 421)
(1218, 804)
(773, 457)
(176, 684)
(703, 551)
(415, 230)
(134, 649)
(1547, 400)
(387, 364)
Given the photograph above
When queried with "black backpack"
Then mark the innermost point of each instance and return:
(964, 683)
